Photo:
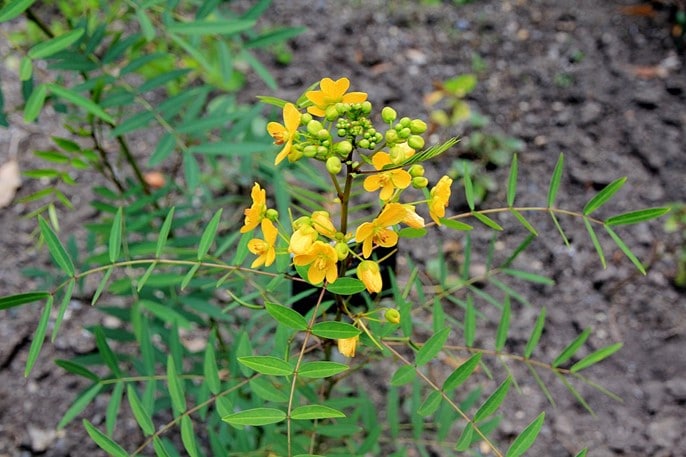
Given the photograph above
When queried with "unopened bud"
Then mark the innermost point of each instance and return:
(342, 250)
(418, 126)
(415, 142)
(392, 136)
(331, 113)
(419, 182)
(324, 134)
(305, 118)
(272, 214)
(388, 114)
(416, 170)
(343, 148)
(314, 126)
(333, 165)
(310, 150)
(366, 107)
(392, 315)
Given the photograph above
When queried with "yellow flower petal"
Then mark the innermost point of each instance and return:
(347, 346)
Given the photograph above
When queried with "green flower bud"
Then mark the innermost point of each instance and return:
(310, 151)
(324, 134)
(343, 148)
(388, 114)
(415, 142)
(363, 143)
(392, 137)
(419, 182)
(366, 107)
(342, 108)
(416, 170)
(342, 132)
(272, 215)
(404, 122)
(342, 250)
(322, 152)
(313, 127)
(331, 113)
(305, 118)
(418, 126)
(334, 165)
(404, 133)
(392, 315)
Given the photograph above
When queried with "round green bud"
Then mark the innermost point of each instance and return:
(418, 126)
(415, 142)
(342, 108)
(392, 137)
(363, 143)
(342, 132)
(310, 151)
(334, 165)
(366, 107)
(272, 215)
(388, 114)
(324, 134)
(416, 170)
(404, 122)
(404, 133)
(313, 127)
(392, 315)
(419, 182)
(322, 152)
(295, 154)
(331, 113)
(305, 118)
(343, 148)
(342, 250)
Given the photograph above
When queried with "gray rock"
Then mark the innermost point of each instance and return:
(666, 431)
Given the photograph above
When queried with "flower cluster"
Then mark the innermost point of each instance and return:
(333, 126)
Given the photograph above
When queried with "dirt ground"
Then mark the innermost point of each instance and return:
(585, 78)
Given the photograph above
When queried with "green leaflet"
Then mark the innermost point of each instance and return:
(603, 196)
(432, 346)
(57, 251)
(571, 348)
(493, 402)
(525, 439)
(313, 412)
(38, 336)
(255, 416)
(103, 441)
(55, 45)
(595, 357)
(512, 182)
(555, 181)
(266, 364)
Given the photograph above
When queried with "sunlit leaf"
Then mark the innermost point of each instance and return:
(456, 225)
(493, 402)
(54, 45)
(603, 196)
(512, 182)
(555, 181)
(461, 373)
(313, 412)
(525, 439)
(335, 330)
(57, 251)
(432, 347)
(267, 364)
(255, 417)
(595, 357)
(103, 441)
(141, 414)
(11, 301)
(571, 348)
(634, 217)
(346, 286)
(321, 369)
(38, 336)
(535, 334)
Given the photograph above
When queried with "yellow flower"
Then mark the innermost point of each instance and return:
(369, 273)
(438, 199)
(347, 346)
(412, 219)
(322, 258)
(321, 221)
(302, 239)
(264, 249)
(330, 93)
(284, 134)
(377, 231)
(387, 181)
(256, 212)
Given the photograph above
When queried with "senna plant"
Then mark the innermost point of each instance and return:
(268, 377)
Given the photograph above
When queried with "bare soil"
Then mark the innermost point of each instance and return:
(585, 78)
